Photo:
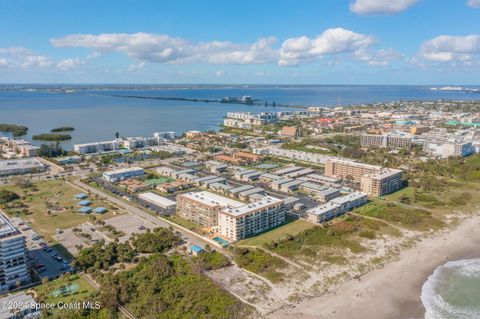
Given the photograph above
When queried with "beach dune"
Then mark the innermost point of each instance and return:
(393, 292)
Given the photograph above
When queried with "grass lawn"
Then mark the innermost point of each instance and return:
(292, 228)
(158, 181)
(56, 197)
(406, 217)
(82, 289)
(184, 223)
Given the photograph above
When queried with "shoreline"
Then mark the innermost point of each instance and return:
(394, 291)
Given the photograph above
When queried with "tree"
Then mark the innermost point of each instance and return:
(117, 134)
(7, 196)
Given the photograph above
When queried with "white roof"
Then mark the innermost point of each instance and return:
(124, 170)
(20, 301)
(157, 199)
(252, 207)
(211, 199)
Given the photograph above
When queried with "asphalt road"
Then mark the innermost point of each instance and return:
(133, 210)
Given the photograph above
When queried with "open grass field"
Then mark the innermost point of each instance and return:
(412, 218)
(184, 223)
(65, 289)
(292, 228)
(48, 205)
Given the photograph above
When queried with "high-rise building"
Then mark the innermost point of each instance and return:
(385, 141)
(237, 223)
(203, 207)
(381, 183)
(374, 180)
(14, 266)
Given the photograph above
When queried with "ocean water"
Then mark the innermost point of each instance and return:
(97, 111)
(453, 291)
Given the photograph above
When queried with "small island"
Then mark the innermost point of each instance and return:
(63, 129)
(16, 130)
(51, 137)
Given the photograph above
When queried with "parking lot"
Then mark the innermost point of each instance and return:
(45, 260)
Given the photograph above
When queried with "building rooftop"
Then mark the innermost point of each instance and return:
(21, 301)
(348, 198)
(211, 199)
(6, 227)
(241, 189)
(24, 163)
(156, 199)
(124, 170)
(265, 202)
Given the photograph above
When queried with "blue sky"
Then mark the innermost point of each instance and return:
(248, 41)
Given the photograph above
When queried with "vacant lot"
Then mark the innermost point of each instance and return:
(49, 205)
(292, 228)
(407, 217)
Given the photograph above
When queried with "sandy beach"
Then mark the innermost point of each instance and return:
(393, 292)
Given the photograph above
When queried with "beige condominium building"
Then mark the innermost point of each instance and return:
(382, 183)
(203, 207)
(250, 219)
(374, 180)
(385, 141)
(348, 169)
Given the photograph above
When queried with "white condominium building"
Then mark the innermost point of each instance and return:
(250, 219)
(203, 207)
(336, 207)
(121, 174)
(21, 166)
(14, 267)
(97, 147)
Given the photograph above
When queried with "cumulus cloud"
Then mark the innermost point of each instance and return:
(381, 57)
(161, 48)
(380, 7)
(136, 67)
(473, 3)
(332, 41)
(69, 64)
(449, 48)
(19, 57)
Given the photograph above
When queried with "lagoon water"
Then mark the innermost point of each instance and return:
(97, 112)
(453, 291)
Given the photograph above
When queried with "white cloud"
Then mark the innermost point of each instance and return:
(160, 48)
(449, 48)
(18, 57)
(378, 7)
(136, 67)
(382, 57)
(69, 64)
(26, 59)
(473, 3)
(332, 41)
(220, 73)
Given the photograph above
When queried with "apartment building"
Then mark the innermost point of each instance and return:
(203, 207)
(21, 166)
(336, 207)
(350, 169)
(386, 141)
(237, 223)
(374, 180)
(14, 266)
(381, 183)
(96, 147)
(121, 174)
(249, 157)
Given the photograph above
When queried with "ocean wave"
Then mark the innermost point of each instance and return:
(436, 307)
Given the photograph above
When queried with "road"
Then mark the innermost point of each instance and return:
(156, 220)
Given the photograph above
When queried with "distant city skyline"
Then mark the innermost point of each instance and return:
(261, 42)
